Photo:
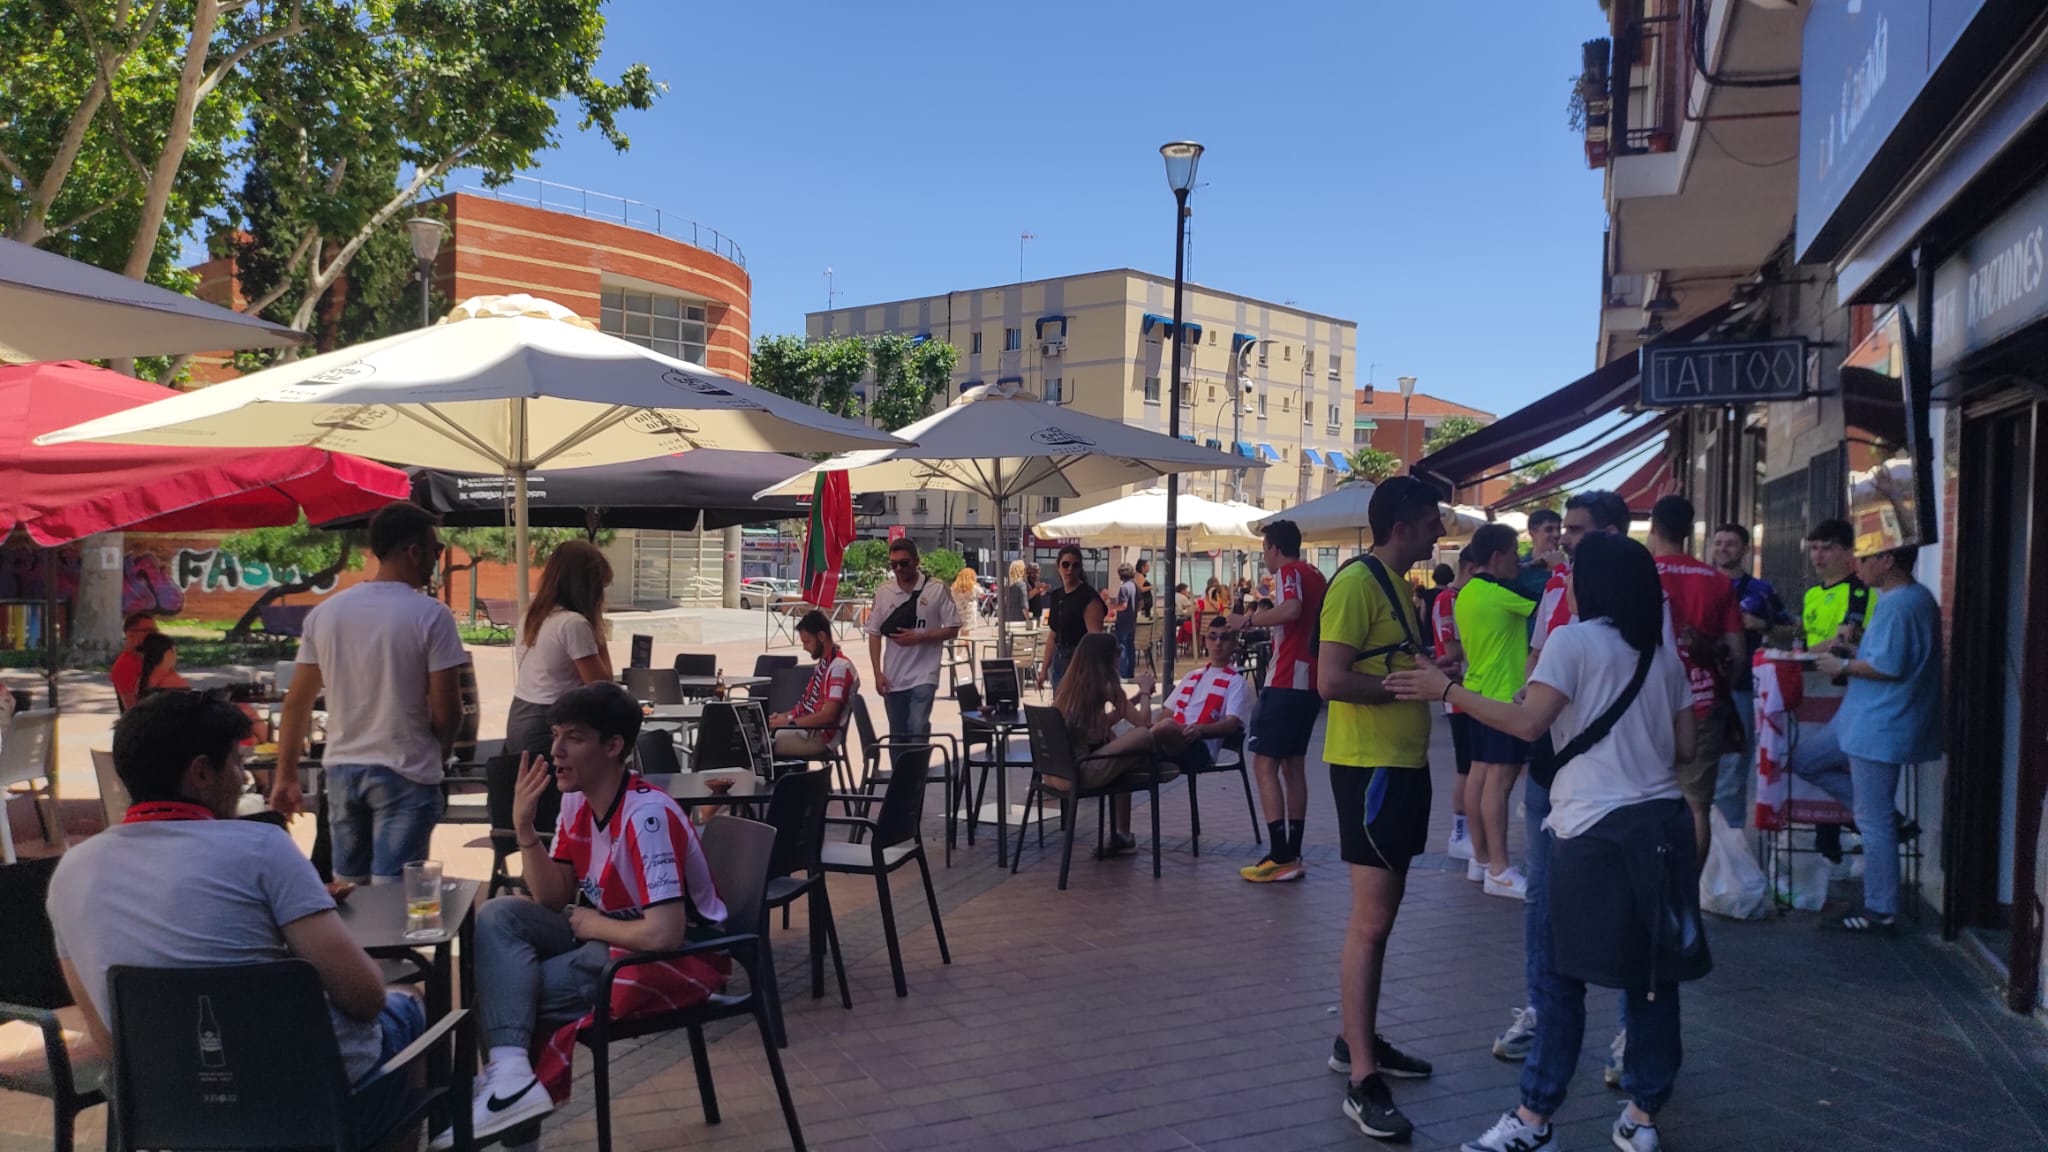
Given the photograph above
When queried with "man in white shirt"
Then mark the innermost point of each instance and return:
(1210, 704)
(388, 658)
(907, 633)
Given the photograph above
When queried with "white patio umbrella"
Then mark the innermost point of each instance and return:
(55, 308)
(1339, 517)
(1139, 521)
(999, 442)
(505, 384)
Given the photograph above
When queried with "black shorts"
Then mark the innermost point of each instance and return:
(1493, 746)
(1283, 721)
(1382, 814)
(1461, 741)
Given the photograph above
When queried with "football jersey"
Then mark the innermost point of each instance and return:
(1294, 665)
(1554, 611)
(833, 679)
(641, 853)
(1699, 602)
(1207, 695)
(1443, 626)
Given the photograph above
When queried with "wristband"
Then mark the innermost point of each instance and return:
(1446, 697)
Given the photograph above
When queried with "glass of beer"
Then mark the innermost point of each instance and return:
(423, 899)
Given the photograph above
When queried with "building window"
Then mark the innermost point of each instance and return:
(1286, 402)
(1212, 392)
(1212, 339)
(1185, 394)
(1286, 450)
(1262, 405)
(1287, 352)
(1013, 339)
(670, 325)
(922, 506)
(1151, 389)
(1361, 436)
(974, 344)
(1336, 365)
(1264, 348)
(1048, 504)
(1056, 390)
(892, 503)
(1308, 361)
(1336, 418)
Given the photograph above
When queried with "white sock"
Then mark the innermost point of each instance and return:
(508, 1066)
(1457, 827)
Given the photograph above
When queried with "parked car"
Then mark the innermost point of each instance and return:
(757, 591)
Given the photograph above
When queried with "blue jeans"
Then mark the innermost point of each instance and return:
(1650, 1067)
(380, 821)
(910, 710)
(1536, 950)
(531, 971)
(1731, 787)
(1061, 657)
(403, 1021)
(1869, 789)
(1127, 651)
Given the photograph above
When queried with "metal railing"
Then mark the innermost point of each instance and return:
(613, 209)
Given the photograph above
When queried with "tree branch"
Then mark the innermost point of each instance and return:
(81, 218)
(170, 372)
(284, 283)
(323, 278)
(292, 27)
(14, 170)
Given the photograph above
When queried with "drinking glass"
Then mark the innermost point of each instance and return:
(422, 899)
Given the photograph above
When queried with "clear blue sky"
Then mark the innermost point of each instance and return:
(1405, 165)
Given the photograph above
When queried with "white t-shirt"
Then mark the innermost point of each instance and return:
(548, 669)
(1591, 664)
(910, 665)
(375, 645)
(1207, 695)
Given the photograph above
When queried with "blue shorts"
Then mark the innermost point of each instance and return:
(1283, 722)
(1493, 746)
(380, 821)
(403, 1021)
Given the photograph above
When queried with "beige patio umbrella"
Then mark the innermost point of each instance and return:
(1139, 521)
(504, 384)
(55, 308)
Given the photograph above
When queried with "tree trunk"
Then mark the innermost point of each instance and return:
(157, 198)
(307, 583)
(96, 610)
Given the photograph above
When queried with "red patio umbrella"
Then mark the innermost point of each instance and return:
(60, 493)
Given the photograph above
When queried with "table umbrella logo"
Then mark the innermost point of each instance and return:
(348, 373)
(708, 386)
(358, 418)
(1061, 438)
(661, 422)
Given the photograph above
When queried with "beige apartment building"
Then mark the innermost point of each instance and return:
(1098, 341)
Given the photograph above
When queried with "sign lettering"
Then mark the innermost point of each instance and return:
(1724, 372)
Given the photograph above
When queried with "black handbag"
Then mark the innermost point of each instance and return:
(905, 615)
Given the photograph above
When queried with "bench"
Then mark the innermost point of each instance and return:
(498, 615)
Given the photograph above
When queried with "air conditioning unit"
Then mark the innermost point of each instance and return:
(1052, 348)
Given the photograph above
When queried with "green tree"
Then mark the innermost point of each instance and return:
(1450, 430)
(301, 558)
(910, 378)
(942, 564)
(863, 563)
(820, 372)
(1372, 465)
(1528, 471)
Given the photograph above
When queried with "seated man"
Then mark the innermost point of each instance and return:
(126, 674)
(627, 868)
(821, 710)
(1211, 703)
(181, 883)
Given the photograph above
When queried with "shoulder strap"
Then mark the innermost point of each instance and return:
(1386, 583)
(1597, 731)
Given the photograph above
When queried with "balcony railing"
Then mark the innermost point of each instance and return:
(1634, 101)
(613, 209)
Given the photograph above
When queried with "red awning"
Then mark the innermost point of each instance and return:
(59, 493)
(1657, 478)
(1626, 439)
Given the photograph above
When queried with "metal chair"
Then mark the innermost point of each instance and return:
(1052, 751)
(785, 687)
(25, 759)
(654, 753)
(265, 1030)
(740, 854)
(873, 773)
(501, 780)
(114, 800)
(32, 989)
(893, 838)
(796, 810)
(696, 664)
(1230, 759)
(654, 685)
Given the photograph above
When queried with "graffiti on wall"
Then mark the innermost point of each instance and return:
(218, 570)
(144, 585)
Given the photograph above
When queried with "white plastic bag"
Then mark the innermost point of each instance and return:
(1799, 878)
(1732, 884)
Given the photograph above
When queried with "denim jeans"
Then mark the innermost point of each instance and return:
(531, 971)
(910, 710)
(1731, 789)
(380, 821)
(1650, 1067)
(403, 1020)
(1869, 789)
(1127, 651)
(1536, 950)
(1061, 657)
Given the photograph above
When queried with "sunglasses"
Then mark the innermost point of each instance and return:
(902, 565)
(1068, 565)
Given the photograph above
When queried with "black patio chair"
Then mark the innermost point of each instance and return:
(654, 685)
(1052, 751)
(740, 853)
(1230, 759)
(266, 1071)
(875, 766)
(893, 838)
(796, 810)
(32, 989)
(697, 664)
(654, 752)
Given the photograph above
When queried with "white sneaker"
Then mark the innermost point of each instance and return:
(1460, 848)
(1475, 871)
(498, 1109)
(1514, 1044)
(1511, 884)
(1617, 1054)
(1511, 1133)
(1632, 1137)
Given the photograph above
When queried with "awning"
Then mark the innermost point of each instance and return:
(1656, 479)
(1188, 436)
(1368, 425)
(1312, 456)
(1042, 321)
(1266, 451)
(1166, 322)
(1246, 450)
(1626, 439)
(1560, 413)
(1239, 340)
(1341, 463)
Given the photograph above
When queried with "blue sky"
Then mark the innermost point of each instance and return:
(1406, 165)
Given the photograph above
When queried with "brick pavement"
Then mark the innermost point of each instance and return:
(1195, 1012)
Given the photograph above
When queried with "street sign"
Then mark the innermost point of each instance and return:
(1723, 372)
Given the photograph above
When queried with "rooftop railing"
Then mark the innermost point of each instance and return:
(613, 209)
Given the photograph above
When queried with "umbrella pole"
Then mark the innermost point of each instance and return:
(1001, 574)
(520, 556)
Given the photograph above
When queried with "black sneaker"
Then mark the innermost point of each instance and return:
(1398, 1064)
(1340, 1056)
(1371, 1106)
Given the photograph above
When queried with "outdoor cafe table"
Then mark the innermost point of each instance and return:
(693, 789)
(710, 683)
(1001, 813)
(689, 713)
(375, 917)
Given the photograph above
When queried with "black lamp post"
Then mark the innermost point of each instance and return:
(1181, 158)
(426, 234)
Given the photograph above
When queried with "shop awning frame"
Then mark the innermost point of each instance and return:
(1623, 441)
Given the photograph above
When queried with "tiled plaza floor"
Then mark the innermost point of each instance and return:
(1195, 1012)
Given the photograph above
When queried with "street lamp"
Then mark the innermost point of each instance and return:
(1181, 158)
(426, 234)
(1407, 430)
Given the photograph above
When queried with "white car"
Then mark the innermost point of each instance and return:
(756, 591)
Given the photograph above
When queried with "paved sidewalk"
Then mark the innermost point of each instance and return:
(1195, 1012)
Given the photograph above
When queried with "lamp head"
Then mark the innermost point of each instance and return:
(1651, 330)
(426, 236)
(1407, 386)
(1181, 158)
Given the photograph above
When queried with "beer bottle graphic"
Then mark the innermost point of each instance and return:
(211, 1053)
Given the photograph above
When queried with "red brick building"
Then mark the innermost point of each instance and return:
(1378, 422)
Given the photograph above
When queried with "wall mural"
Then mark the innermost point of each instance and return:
(148, 584)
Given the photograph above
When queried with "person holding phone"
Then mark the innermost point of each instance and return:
(907, 632)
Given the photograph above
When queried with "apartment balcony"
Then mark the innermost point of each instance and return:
(1702, 169)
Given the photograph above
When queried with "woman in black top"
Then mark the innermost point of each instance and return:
(1074, 609)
